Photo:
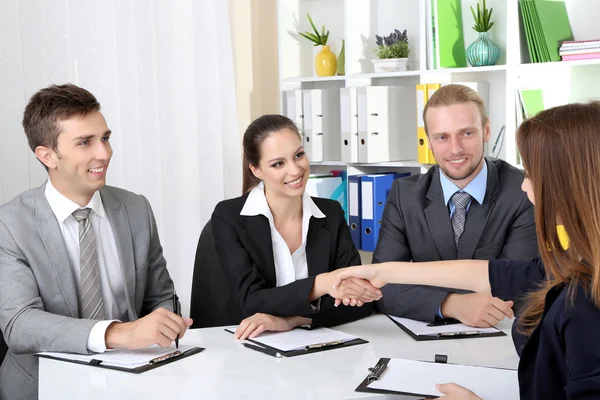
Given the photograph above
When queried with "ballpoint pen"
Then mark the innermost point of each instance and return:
(499, 141)
(176, 311)
(442, 322)
(264, 350)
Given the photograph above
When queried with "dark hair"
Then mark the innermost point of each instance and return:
(560, 148)
(51, 105)
(258, 130)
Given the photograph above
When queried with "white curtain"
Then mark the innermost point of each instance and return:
(163, 72)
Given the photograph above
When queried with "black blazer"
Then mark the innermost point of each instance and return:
(416, 227)
(246, 254)
(561, 359)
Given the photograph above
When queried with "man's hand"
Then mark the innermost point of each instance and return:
(351, 288)
(480, 310)
(253, 326)
(160, 327)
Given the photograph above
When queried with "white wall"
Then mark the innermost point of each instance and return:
(163, 72)
(254, 36)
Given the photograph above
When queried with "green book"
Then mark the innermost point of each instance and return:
(451, 43)
(527, 25)
(555, 25)
(533, 101)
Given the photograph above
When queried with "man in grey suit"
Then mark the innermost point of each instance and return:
(465, 207)
(81, 265)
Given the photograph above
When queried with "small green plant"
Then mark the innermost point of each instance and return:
(482, 18)
(319, 39)
(393, 46)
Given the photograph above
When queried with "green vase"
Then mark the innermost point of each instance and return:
(483, 51)
(341, 61)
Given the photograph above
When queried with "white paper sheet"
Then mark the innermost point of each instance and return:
(420, 377)
(298, 339)
(420, 328)
(122, 357)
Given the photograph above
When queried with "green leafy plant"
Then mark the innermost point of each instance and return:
(319, 39)
(482, 18)
(393, 46)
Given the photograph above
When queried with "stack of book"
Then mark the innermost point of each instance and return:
(580, 49)
(546, 24)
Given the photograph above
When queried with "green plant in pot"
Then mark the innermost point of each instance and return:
(392, 52)
(483, 51)
(325, 60)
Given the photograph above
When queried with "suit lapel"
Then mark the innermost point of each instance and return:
(478, 215)
(54, 244)
(438, 220)
(259, 232)
(117, 216)
(317, 247)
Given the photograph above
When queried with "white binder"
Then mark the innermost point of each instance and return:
(292, 107)
(349, 124)
(386, 123)
(322, 124)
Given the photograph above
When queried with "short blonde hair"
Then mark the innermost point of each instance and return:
(449, 95)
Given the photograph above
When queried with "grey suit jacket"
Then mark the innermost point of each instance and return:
(39, 309)
(416, 227)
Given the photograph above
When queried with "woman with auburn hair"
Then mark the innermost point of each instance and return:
(278, 245)
(560, 148)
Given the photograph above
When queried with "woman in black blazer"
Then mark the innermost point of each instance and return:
(560, 359)
(278, 246)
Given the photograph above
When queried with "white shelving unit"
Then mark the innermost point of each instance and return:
(358, 21)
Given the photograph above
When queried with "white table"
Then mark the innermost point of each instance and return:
(227, 370)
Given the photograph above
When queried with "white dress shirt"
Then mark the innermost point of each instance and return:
(288, 267)
(109, 267)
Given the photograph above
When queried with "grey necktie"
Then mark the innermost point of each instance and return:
(460, 200)
(92, 305)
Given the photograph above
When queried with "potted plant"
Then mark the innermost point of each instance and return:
(325, 60)
(392, 52)
(482, 51)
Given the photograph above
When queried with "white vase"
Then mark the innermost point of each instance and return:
(389, 64)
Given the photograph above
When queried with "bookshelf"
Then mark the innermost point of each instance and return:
(358, 21)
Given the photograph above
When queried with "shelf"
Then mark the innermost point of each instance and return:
(390, 164)
(314, 79)
(557, 64)
(398, 74)
(490, 68)
(383, 75)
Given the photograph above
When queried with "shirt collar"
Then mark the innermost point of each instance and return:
(256, 204)
(64, 207)
(476, 188)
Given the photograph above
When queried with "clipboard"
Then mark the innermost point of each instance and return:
(160, 361)
(314, 348)
(381, 368)
(472, 334)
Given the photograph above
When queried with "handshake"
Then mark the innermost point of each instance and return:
(354, 286)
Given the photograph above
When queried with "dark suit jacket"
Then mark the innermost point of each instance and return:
(416, 227)
(246, 253)
(561, 358)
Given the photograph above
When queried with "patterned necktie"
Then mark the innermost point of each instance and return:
(92, 305)
(460, 200)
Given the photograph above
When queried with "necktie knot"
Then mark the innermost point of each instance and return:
(461, 200)
(81, 213)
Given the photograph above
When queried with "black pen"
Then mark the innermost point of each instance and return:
(264, 350)
(176, 311)
(442, 322)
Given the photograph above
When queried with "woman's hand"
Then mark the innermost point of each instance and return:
(452, 391)
(253, 326)
(355, 292)
(372, 273)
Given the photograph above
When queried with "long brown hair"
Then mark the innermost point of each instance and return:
(257, 131)
(560, 148)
